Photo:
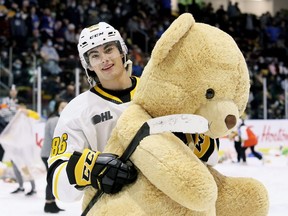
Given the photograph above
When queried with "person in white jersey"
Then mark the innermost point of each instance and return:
(86, 123)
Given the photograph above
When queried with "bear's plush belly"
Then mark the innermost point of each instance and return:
(141, 199)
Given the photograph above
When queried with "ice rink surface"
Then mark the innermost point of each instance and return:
(273, 174)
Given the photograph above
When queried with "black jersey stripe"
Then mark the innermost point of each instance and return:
(209, 151)
(217, 143)
(181, 136)
(51, 171)
(105, 95)
(117, 97)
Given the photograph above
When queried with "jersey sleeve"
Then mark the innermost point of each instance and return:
(206, 148)
(69, 136)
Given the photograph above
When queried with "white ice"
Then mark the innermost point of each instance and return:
(273, 174)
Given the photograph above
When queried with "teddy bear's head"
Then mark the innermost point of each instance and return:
(196, 68)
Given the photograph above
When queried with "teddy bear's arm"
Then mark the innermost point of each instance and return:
(173, 168)
(165, 161)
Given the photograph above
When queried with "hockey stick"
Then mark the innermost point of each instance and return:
(184, 123)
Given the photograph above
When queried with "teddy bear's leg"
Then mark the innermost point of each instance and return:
(240, 196)
(119, 204)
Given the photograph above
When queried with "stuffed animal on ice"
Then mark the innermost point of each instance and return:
(194, 69)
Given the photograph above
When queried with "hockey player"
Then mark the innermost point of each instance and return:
(85, 124)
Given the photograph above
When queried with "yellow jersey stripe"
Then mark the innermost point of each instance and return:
(55, 183)
(97, 89)
(133, 91)
(53, 159)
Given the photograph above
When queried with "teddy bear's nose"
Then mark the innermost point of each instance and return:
(230, 121)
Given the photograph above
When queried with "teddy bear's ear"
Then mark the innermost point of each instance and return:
(171, 36)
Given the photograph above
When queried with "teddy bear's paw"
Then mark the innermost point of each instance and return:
(242, 196)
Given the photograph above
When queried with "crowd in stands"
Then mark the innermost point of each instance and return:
(46, 33)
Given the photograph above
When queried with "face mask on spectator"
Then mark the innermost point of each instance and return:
(17, 65)
(49, 43)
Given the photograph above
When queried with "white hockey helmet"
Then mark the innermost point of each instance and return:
(97, 35)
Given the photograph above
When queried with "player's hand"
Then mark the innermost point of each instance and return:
(103, 171)
(110, 174)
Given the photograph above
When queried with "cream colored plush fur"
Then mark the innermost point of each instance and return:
(189, 60)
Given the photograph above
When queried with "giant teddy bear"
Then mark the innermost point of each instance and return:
(194, 69)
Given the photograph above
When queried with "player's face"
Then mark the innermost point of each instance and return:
(106, 61)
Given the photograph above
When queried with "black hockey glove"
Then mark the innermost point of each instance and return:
(103, 171)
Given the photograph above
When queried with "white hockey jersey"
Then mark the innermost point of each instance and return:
(86, 122)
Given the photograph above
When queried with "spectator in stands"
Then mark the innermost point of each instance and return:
(18, 30)
(59, 38)
(67, 94)
(129, 16)
(273, 32)
(34, 43)
(50, 58)
(91, 14)
(70, 34)
(32, 20)
(233, 10)
(71, 38)
(105, 14)
(72, 13)
(25, 7)
(47, 23)
(50, 204)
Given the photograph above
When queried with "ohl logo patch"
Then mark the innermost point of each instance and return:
(102, 117)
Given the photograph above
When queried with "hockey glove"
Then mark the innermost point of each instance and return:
(103, 171)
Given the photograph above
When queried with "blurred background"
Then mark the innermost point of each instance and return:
(39, 64)
(28, 27)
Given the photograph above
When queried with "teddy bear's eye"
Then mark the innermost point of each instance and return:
(210, 93)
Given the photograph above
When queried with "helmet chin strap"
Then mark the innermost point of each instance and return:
(128, 66)
(89, 78)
